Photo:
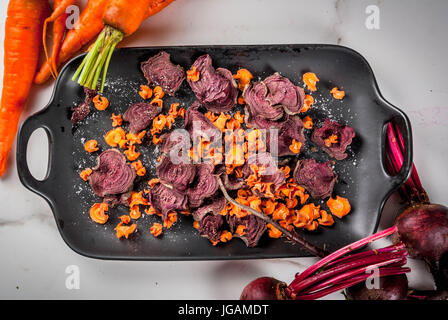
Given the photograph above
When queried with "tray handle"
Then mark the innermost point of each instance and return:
(399, 118)
(30, 125)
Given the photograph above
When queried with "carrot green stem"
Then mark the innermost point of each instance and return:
(96, 62)
(106, 66)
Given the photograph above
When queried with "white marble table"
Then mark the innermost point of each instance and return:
(408, 56)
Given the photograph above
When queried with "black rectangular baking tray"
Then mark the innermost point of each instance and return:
(362, 176)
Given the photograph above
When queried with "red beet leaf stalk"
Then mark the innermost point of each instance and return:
(337, 271)
(422, 227)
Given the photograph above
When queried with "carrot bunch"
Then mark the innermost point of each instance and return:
(121, 18)
(119, 13)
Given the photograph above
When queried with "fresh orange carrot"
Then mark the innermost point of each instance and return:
(59, 27)
(126, 15)
(58, 17)
(23, 40)
(156, 6)
(89, 24)
(121, 18)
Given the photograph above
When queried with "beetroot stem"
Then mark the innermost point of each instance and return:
(395, 151)
(383, 272)
(421, 192)
(359, 255)
(414, 174)
(347, 270)
(352, 273)
(339, 253)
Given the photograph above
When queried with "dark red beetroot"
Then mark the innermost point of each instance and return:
(216, 89)
(423, 227)
(337, 271)
(265, 288)
(317, 178)
(112, 174)
(140, 115)
(424, 230)
(344, 135)
(159, 70)
(390, 288)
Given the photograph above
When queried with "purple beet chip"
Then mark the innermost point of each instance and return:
(317, 178)
(159, 70)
